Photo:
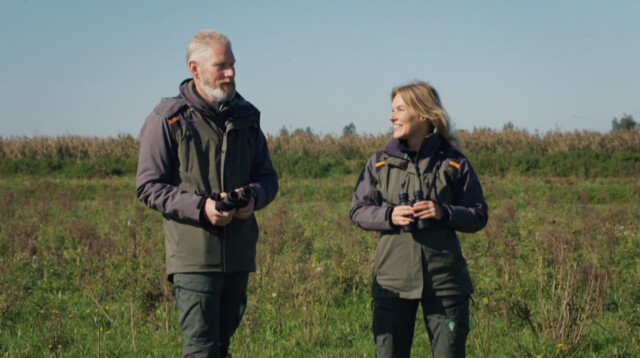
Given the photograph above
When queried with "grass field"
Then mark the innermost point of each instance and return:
(556, 270)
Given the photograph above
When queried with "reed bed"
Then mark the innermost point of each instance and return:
(521, 141)
(303, 153)
(67, 147)
(304, 142)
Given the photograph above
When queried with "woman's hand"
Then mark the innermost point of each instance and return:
(402, 215)
(427, 210)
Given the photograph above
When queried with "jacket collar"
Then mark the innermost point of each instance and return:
(189, 93)
(398, 148)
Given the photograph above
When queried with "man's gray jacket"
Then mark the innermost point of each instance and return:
(190, 150)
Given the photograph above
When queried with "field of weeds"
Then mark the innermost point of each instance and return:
(82, 262)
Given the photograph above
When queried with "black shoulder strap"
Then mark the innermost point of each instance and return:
(443, 152)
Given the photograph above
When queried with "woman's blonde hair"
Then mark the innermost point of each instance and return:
(424, 100)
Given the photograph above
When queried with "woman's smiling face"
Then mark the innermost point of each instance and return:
(407, 124)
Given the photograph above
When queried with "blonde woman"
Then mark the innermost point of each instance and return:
(418, 192)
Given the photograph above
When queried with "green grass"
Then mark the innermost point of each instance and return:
(582, 163)
(82, 271)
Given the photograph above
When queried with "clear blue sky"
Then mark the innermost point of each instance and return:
(97, 68)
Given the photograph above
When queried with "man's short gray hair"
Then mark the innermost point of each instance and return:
(200, 45)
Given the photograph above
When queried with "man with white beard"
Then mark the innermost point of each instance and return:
(204, 164)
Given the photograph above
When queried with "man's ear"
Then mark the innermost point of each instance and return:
(193, 69)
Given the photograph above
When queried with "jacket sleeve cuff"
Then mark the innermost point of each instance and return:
(446, 214)
(255, 198)
(387, 216)
(203, 215)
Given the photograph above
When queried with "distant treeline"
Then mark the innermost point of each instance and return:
(305, 154)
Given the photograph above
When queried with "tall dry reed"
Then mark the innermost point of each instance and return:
(307, 143)
(521, 141)
(72, 148)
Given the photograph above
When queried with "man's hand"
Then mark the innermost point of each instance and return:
(245, 212)
(215, 217)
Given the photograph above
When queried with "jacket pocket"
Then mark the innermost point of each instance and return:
(397, 260)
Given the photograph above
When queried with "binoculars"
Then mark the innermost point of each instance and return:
(234, 199)
(418, 224)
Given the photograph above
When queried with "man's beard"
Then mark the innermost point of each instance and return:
(217, 93)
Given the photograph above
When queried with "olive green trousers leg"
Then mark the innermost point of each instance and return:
(210, 308)
(393, 325)
(446, 319)
(447, 322)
